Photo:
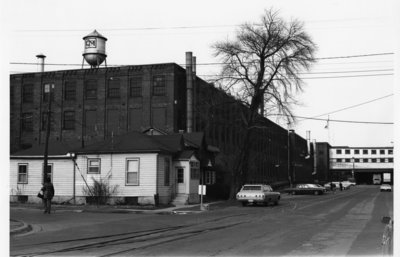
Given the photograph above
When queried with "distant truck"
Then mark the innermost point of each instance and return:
(376, 179)
(386, 178)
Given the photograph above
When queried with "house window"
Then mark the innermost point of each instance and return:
(347, 151)
(113, 88)
(27, 93)
(194, 170)
(356, 151)
(167, 172)
(132, 172)
(27, 122)
(70, 91)
(373, 151)
(22, 173)
(365, 151)
(210, 177)
(94, 166)
(90, 89)
(159, 85)
(49, 171)
(69, 120)
(180, 175)
(338, 151)
(135, 87)
(382, 151)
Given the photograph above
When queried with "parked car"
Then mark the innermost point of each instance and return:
(257, 194)
(386, 187)
(306, 189)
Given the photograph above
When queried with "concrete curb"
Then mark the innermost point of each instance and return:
(24, 228)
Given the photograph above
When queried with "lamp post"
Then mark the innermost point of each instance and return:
(352, 172)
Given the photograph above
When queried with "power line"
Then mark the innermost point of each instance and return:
(356, 105)
(351, 76)
(344, 121)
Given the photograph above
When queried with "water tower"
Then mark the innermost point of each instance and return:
(95, 49)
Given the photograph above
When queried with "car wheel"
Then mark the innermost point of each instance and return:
(316, 193)
(293, 192)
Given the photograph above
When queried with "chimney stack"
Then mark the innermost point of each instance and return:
(41, 58)
(189, 92)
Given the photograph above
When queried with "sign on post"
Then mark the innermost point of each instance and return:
(202, 189)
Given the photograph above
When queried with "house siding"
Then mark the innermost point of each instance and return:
(113, 169)
(63, 172)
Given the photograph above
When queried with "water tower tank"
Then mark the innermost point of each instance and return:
(95, 49)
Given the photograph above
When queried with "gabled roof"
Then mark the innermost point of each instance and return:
(173, 141)
(185, 155)
(132, 142)
(194, 139)
(55, 148)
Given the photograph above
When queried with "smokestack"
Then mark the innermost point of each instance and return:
(315, 156)
(41, 61)
(308, 137)
(189, 92)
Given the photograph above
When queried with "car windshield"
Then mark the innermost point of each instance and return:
(251, 188)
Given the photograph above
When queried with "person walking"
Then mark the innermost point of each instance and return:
(333, 187)
(48, 193)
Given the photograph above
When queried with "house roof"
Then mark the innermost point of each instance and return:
(55, 148)
(132, 142)
(194, 139)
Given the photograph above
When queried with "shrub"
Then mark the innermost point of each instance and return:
(99, 192)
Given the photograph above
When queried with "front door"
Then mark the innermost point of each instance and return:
(180, 180)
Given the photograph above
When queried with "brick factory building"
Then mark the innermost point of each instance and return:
(91, 105)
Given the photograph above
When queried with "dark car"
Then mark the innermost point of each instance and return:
(306, 189)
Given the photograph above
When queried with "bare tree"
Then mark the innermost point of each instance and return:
(261, 68)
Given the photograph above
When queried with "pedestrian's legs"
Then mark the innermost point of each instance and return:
(44, 201)
(48, 206)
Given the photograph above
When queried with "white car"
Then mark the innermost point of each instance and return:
(257, 193)
(386, 187)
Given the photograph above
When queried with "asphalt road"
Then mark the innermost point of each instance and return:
(346, 223)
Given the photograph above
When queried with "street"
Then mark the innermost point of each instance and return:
(346, 223)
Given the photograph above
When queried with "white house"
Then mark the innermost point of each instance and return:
(138, 168)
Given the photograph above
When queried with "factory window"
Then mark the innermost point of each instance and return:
(390, 159)
(132, 172)
(382, 159)
(135, 87)
(347, 160)
(347, 151)
(338, 160)
(69, 120)
(373, 160)
(159, 85)
(93, 166)
(113, 88)
(365, 151)
(338, 151)
(167, 170)
(27, 122)
(27, 93)
(373, 151)
(90, 89)
(22, 173)
(390, 151)
(48, 90)
(44, 121)
(356, 151)
(356, 160)
(382, 151)
(70, 90)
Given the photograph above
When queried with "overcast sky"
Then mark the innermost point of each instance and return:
(362, 33)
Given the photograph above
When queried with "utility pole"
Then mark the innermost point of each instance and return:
(47, 90)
